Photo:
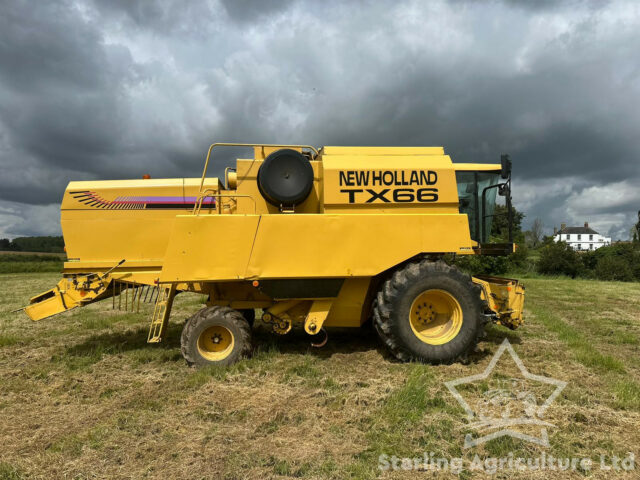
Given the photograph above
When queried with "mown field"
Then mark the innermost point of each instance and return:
(83, 396)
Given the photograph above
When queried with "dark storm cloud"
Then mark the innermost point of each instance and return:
(164, 17)
(58, 97)
(254, 10)
(48, 47)
(540, 5)
(114, 89)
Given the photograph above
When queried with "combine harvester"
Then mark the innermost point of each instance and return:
(319, 238)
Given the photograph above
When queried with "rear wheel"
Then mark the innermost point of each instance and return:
(430, 312)
(215, 336)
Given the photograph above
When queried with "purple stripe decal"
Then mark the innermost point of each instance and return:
(93, 199)
(174, 200)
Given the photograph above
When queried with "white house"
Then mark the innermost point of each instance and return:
(581, 238)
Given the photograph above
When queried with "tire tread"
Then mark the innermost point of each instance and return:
(214, 313)
(392, 289)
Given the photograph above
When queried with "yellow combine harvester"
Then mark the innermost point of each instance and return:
(320, 238)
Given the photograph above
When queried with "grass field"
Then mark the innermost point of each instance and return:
(23, 262)
(83, 396)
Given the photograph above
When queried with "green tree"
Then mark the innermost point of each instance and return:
(484, 264)
(558, 258)
(536, 232)
(614, 268)
(38, 244)
(500, 224)
(624, 253)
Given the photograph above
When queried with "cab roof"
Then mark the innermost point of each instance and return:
(477, 167)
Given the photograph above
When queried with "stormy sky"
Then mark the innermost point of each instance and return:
(102, 89)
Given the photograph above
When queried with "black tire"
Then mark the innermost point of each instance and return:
(392, 305)
(285, 178)
(249, 315)
(221, 317)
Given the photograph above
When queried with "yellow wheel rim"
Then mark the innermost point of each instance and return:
(436, 317)
(215, 343)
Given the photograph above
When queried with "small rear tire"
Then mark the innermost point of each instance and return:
(215, 336)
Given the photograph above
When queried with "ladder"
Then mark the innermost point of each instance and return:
(161, 312)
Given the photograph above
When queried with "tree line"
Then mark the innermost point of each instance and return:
(33, 244)
(541, 254)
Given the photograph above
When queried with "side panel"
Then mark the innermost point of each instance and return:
(350, 245)
(347, 310)
(218, 248)
(104, 222)
(385, 183)
(209, 247)
(108, 236)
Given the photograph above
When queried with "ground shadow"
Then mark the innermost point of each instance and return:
(120, 342)
(493, 335)
(340, 341)
(496, 334)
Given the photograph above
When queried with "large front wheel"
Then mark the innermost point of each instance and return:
(430, 312)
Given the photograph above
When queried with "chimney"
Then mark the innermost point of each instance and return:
(563, 226)
(555, 231)
(586, 224)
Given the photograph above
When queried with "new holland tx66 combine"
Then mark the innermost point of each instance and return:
(318, 238)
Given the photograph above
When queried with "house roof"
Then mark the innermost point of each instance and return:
(578, 230)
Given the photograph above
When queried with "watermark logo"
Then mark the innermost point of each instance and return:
(507, 400)
(507, 464)
(501, 404)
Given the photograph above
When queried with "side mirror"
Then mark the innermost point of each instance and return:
(505, 162)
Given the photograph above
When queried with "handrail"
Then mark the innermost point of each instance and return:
(222, 144)
(198, 205)
(482, 235)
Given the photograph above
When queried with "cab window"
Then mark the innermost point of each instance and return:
(471, 188)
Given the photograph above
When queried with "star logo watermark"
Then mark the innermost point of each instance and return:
(512, 405)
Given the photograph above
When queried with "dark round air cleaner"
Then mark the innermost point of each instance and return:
(285, 178)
